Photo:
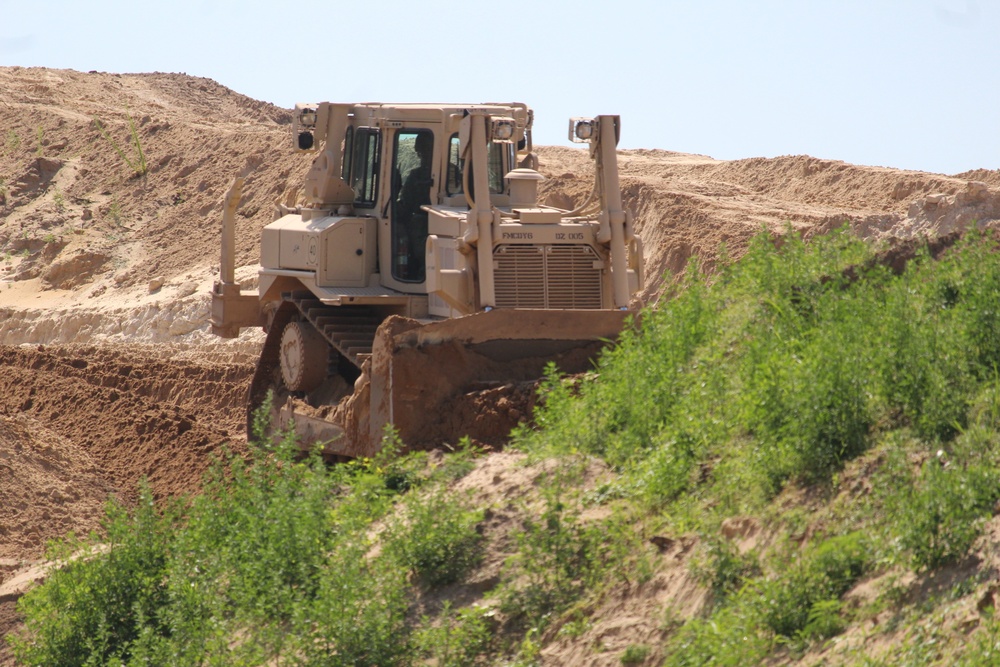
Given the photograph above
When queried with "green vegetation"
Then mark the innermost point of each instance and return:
(848, 413)
(635, 654)
(115, 213)
(769, 381)
(435, 537)
(12, 141)
(318, 564)
(135, 157)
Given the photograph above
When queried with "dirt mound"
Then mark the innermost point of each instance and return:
(50, 487)
(133, 415)
(70, 166)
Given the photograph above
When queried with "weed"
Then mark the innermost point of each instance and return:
(558, 558)
(801, 601)
(635, 654)
(13, 141)
(59, 200)
(115, 213)
(798, 603)
(49, 238)
(135, 158)
(728, 639)
(458, 639)
(86, 611)
(272, 547)
(943, 512)
(575, 626)
(358, 616)
(984, 647)
(723, 568)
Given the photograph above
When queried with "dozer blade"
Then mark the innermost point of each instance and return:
(418, 374)
(417, 370)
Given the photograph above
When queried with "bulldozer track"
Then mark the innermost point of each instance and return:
(348, 329)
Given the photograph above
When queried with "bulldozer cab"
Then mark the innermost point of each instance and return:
(394, 161)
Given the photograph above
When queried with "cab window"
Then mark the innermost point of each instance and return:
(345, 170)
(495, 160)
(364, 166)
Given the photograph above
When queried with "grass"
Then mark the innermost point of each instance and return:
(12, 142)
(134, 157)
(115, 213)
(850, 413)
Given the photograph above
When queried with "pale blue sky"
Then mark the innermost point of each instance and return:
(902, 83)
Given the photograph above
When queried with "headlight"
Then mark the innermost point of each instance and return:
(502, 130)
(307, 118)
(582, 130)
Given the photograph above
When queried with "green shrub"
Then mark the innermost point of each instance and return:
(99, 600)
(729, 638)
(436, 537)
(941, 515)
(724, 568)
(271, 549)
(461, 639)
(799, 600)
(358, 616)
(557, 559)
(635, 654)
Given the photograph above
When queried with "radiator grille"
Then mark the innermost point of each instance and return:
(547, 276)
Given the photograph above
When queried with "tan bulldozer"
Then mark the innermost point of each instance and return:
(421, 264)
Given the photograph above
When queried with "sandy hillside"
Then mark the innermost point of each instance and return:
(107, 370)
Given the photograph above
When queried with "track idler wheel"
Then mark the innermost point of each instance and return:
(304, 357)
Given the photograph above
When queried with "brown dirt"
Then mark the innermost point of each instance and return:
(108, 272)
(50, 488)
(133, 414)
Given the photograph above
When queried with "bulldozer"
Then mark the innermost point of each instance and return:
(420, 265)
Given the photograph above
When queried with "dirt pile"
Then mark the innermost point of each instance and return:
(51, 487)
(70, 186)
(134, 414)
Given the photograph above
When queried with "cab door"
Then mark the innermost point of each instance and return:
(413, 186)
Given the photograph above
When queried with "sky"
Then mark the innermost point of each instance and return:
(912, 84)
